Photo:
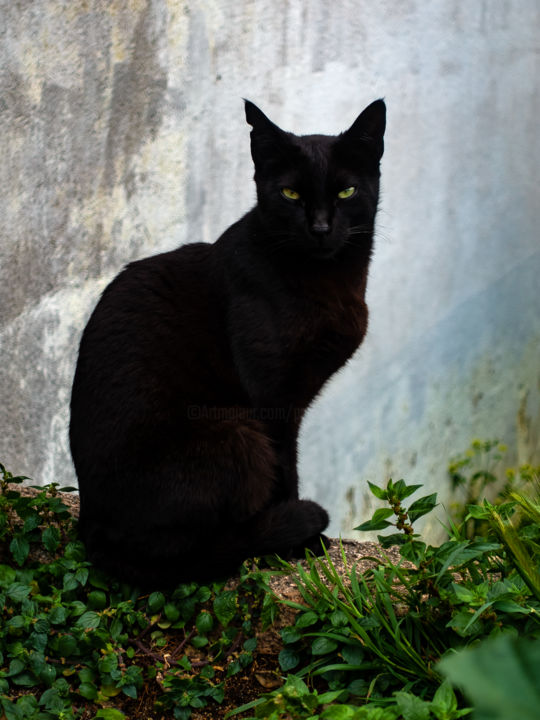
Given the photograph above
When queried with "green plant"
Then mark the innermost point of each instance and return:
(73, 638)
(366, 646)
(375, 638)
(516, 523)
(500, 676)
(296, 700)
(476, 475)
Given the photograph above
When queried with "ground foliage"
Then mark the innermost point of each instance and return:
(74, 644)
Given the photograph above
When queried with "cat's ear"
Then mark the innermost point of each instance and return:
(257, 119)
(368, 128)
(268, 141)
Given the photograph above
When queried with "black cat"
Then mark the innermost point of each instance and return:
(197, 366)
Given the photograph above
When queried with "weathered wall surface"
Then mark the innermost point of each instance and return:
(123, 135)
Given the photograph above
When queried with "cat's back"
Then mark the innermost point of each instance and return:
(152, 297)
(150, 331)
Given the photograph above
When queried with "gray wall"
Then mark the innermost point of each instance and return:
(123, 135)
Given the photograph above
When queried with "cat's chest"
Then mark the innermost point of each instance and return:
(334, 317)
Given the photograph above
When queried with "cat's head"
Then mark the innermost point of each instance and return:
(318, 194)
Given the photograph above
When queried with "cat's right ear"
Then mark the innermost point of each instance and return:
(268, 141)
(368, 129)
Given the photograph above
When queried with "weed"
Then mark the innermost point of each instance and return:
(372, 646)
(72, 637)
(375, 640)
(500, 676)
(476, 474)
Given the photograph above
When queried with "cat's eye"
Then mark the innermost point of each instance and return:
(290, 194)
(347, 193)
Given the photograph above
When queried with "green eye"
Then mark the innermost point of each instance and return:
(347, 193)
(290, 194)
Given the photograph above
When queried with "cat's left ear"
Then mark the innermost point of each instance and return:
(369, 127)
(268, 141)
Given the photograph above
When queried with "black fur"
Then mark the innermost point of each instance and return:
(197, 366)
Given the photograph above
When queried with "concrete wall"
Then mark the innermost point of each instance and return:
(123, 135)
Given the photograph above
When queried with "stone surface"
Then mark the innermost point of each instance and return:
(123, 135)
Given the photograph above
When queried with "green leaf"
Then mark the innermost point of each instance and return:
(463, 594)
(478, 512)
(31, 522)
(52, 701)
(88, 690)
(116, 628)
(329, 697)
(511, 607)
(130, 691)
(340, 712)
(422, 506)
(57, 615)
(295, 687)
(353, 654)
(461, 623)
(444, 703)
(393, 539)
(413, 550)
(306, 619)
(88, 620)
(47, 675)
(109, 714)
(20, 547)
(67, 645)
(172, 612)
(51, 538)
(7, 575)
(75, 551)
(378, 492)
(500, 677)
(108, 664)
(156, 601)
(69, 582)
(250, 644)
(290, 635)
(359, 686)
(382, 514)
(18, 592)
(97, 600)
(412, 707)
(16, 622)
(323, 646)
(86, 675)
(204, 622)
(199, 641)
(339, 619)
(81, 575)
(402, 490)
(288, 659)
(203, 594)
(225, 606)
(25, 679)
(77, 608)
(372, 525)
(15, 667)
